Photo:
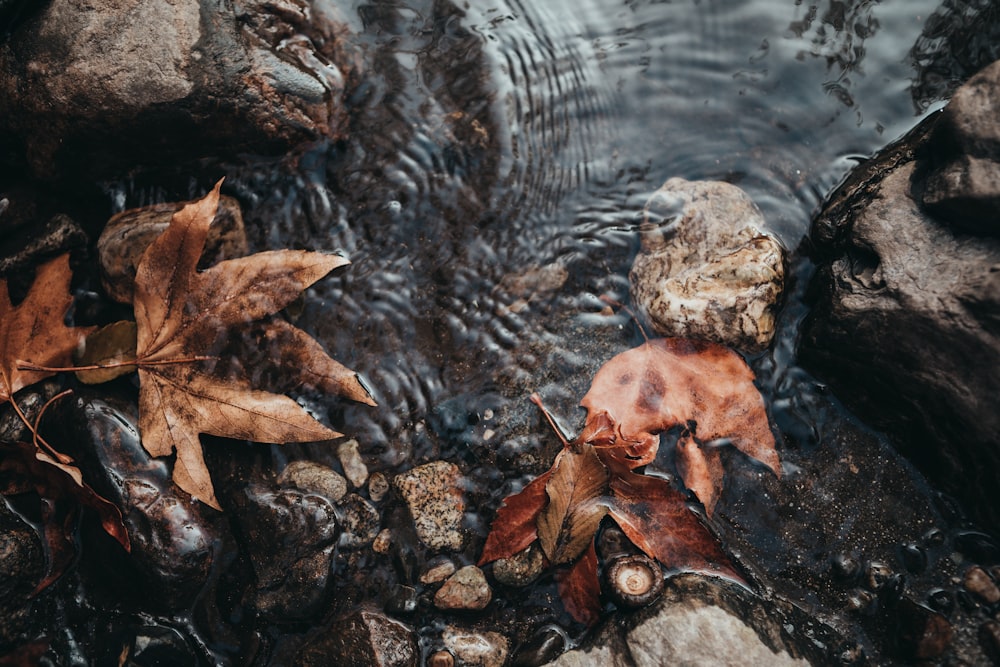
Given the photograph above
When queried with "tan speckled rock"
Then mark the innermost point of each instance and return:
(476, 649)
(707, 268)
(466, 589)
(434, 495)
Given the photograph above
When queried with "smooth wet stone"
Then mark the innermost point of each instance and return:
(543, 647)
(150, 645)
(362, 639)
(434, 497)
(521, 569)
(467, 590)
(980, 584)
(290, 537)
(127, 235)
(314, 478)
(173, 536)
(360, 521)
(699, 621)
(437, 571)
(22, 564)
(354, 466)
(921, 634)
(708, 268)
(476, 649)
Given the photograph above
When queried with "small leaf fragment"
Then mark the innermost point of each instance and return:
(580, 588)
(113, 346)
(515, 526)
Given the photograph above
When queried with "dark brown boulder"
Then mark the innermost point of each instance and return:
(906, 317)
(108, 85)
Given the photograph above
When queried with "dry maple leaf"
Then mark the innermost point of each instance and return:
(35, 330)
(183, 314)
(704, 387)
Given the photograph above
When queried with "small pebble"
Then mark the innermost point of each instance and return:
(466, 590)
(437, 572)
(378, 486)
(441, 659)
(382, 542)
(979, 583)
(314, 478)
(350, 459)
(522, 568)
(876, 575)
(360, 520)
(434, 496)
(476, 649)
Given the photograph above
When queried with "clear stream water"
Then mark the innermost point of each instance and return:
(494, 138)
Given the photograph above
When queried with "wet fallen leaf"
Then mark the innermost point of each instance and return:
(580, 589)
(656, 518)
(35, 331)
(703, 387)
(111, 347)
(183, 316)
(576, 492)
(63, 492)
(516, 524)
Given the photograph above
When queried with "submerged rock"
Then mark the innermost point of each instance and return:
(173, 536)
(436, 502)
(290, 537)
(466, 590)
(364, 639)
(906, 317)
(707, 268)
(476, 649)
(699, 621)
(127, 235)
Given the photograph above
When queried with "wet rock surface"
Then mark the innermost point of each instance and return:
(22, 564)
(290, 538)
(90, 79)
(698, 622)
(466, 590)
(363, 638)
(173, 537)
(434, 497)
(708, 269)
(907, 296)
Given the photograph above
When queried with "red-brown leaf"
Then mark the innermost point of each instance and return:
(668, 382)
(576, 504)
(657, 519)
(516, 524)
(580, 589)
(701, 469)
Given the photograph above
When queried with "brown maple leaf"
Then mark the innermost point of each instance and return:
(703, 387)
(35, 331)
(183, 316)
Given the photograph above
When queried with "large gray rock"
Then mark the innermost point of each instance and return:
(108, 84)
(708, 268)
(906, 320)
(699, 622)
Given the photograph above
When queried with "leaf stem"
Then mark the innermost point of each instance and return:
(537, 400)
(24, 366)
(39, 441)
